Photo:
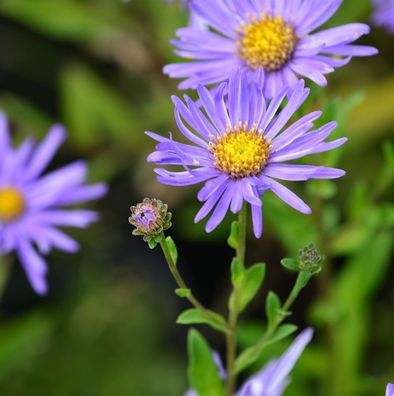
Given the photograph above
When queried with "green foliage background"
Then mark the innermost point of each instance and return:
(107, 328)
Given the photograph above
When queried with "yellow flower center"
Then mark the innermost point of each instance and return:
(12, 204)
(241, 152)
(267, 42)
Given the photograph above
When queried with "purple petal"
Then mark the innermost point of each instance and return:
(34, 265)
(288, 197)
(257, 217)
(45, 151)
(221, 209)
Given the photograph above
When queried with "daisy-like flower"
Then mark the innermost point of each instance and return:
(384, 14)
(240, 146)
(390, 390)
(32, 205)
(275, 39)
(273, 379)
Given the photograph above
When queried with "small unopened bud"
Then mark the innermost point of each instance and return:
(150, 218)
(310, 259)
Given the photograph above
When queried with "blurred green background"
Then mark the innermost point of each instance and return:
(108, 324)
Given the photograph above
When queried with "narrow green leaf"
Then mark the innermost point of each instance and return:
(290, 264)
(183, 293)
(272, 307)
(233, 238)
(248, 288)
(196, 316)
(282, 332)
(172, 249)
(237, 272)
(203, 373)
(247, 358)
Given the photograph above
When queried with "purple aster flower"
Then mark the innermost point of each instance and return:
(390, 390)
(384, 14)
(273, 378)
(32, 205)
(239, 147)
(274, 39)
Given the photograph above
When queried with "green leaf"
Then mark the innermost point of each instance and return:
(248, 288)
(250, 355)
(282, 332)
(196, 316)
(237, 272)
(233, 238)
(246, 358)
(172, 249)
(290, 264)
(203, 373)
(183, 293)
(272, 307)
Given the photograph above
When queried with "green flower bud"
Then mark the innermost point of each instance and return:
(150, 218)
(310, 259)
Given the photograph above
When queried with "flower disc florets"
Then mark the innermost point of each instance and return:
(310, 259)
(150, 218)
(266, 42)
(12, 204)
(240, 152)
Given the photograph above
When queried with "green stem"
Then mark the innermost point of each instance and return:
(182, 285)
(231, 340)
(298, 286)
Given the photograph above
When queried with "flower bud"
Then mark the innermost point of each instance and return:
(310, 259)
(150, 218)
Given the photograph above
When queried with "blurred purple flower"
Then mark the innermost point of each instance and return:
(274, 38)
(32, 205)
(274, 377)
(239, 146)
(390, 390)
(384, 14)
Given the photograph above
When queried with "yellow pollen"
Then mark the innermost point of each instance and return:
(240, 152)
(12, 204)
(267, 42)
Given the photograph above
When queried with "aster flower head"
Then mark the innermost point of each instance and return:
(274, 39)
(390, 390)
(33, 205)
(150, 218)
(384, 14)
(239, 147)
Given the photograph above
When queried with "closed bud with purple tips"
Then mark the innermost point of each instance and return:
(150, 218)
